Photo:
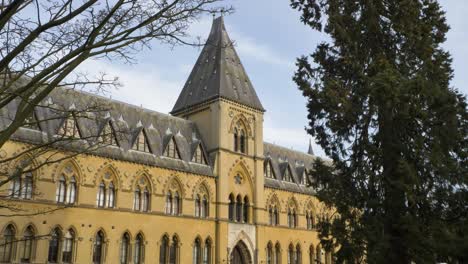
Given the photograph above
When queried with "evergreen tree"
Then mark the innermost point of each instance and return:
(381, 107)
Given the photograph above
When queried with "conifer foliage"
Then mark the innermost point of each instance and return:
(381, 106)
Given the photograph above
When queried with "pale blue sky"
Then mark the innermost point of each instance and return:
(269, 37)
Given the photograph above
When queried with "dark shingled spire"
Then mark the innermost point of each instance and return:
(310, 151)
(218, 73)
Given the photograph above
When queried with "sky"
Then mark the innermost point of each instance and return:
(268, 37)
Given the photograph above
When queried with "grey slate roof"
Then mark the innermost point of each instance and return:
(218, 73)
(128, 120)
(280, 159)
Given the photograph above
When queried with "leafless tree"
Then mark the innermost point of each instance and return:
(42, 42)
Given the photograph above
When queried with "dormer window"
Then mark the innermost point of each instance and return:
(31, 122)
(141, 143)
(108, 136)
(171, 150)
(304, 178)
(198, 156)
(268, 171)
(70, 128)
(288, 175)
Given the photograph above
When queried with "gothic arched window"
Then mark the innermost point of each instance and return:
(27, 245)
(141, 195)
(139, 252)
(236, 140)
(8, 244)
(197, 251)
(197, 206)
(269, 253)
(239, 208)
(22, 186)
(54, 243)
(277, 259)
(125, 249)
(61, 189)
(291, 255)
(68, 246)
(106, 191)
(207, 252)
(232, 205)
(168, 206)
(298, 255)
(242, 142)
(174, 251)
(176, 204)
(245, 213)
(98, 248)
(205, 206)
(164, 250)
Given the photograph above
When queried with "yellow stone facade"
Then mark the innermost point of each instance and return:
(230, 241)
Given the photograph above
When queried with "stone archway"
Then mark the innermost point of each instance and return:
(240, 254)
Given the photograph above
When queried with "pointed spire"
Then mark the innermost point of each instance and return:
(310, 151)
(218, 73)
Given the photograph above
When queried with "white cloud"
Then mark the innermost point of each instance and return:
(297, 139)
(142, 85)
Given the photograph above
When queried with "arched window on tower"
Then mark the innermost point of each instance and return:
(239, 208)
(205, 207)
(197, 206)
(243, 143)
(232, 205)
(168, 208)
(245, 213)
(176, 204)
(236, 140)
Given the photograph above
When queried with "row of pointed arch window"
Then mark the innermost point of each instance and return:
(316, 255)
(61, 246)
(239, 208)
(273, 217)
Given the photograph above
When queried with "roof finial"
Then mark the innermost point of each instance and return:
(310, 151)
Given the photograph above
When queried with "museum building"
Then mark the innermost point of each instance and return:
(198, 185)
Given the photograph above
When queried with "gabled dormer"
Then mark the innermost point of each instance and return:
(70, 127)
(288, 174)
(171, 149)
(141, 142)
(108, 135)
(268, 170)
(199, 155)
(32, 122)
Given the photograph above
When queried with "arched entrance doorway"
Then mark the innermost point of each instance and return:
(240, 254)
